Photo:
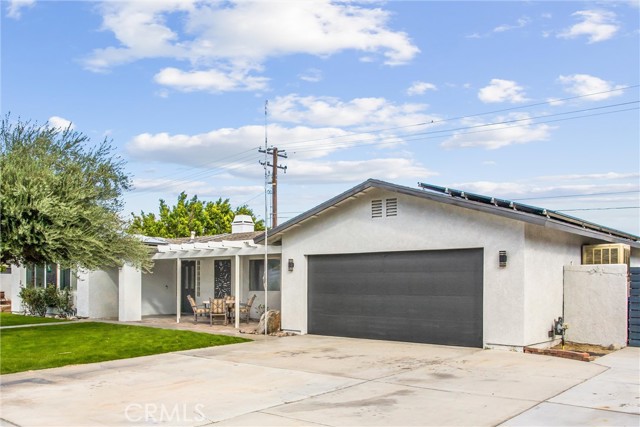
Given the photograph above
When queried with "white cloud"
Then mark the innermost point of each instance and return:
(15, 7)
(193, 187)
(222, 146)
(518, 129)
(225, 43)
(419, 88)
(60, 123)
(210, 80)
(591, 176)
(355, 170)
(502, 91)
(584, 84)
(312, 75)
(531, 188)
(597, 25)
(521, 22)
(359, 113)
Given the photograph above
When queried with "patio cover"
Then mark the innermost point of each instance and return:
(223, 249)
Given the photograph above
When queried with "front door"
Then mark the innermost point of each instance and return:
(188, 279)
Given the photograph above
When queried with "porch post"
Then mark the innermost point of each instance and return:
(178, 290)
(236, 280)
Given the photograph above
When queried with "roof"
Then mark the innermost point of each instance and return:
(219, 245)
(500, 207)
(250, 235)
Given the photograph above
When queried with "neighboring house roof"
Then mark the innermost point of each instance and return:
(500, 207)
(151, 241)
(250, 235)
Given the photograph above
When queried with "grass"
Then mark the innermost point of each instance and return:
(9, 319)
(24, 349)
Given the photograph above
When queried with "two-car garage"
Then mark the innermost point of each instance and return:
(418, 296)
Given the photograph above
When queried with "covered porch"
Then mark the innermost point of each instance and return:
(206, 270)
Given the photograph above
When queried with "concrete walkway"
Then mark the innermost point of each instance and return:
(314, 380)
(611, 398)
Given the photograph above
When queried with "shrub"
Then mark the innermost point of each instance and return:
(36, 300)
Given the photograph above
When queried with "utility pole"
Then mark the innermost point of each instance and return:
(275, 153)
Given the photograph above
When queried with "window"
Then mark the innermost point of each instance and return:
(37, 275)
(42, 275)
(256, 270)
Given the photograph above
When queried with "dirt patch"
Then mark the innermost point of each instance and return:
(593, 350)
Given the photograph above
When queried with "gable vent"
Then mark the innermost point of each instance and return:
(376, 209)
(391, 207)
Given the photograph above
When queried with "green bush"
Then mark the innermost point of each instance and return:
(36, 300)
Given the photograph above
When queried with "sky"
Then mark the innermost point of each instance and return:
(531, 101)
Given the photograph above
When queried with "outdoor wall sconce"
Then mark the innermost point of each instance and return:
(290, 264)
(502, 258)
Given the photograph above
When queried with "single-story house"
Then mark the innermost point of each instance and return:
(200, 266)
(379, 261)
(432, 265)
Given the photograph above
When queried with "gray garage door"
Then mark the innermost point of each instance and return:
(425, 296)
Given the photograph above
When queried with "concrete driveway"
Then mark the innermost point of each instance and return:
(314, 380)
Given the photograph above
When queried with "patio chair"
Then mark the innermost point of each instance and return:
(197, 309)
(245, 309)
(217, 308)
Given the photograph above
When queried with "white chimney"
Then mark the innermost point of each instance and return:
(242, 224)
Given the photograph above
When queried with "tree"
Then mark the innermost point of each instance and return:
(187, 215)
(60, 200)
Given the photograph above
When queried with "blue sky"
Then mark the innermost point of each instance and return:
(531, 101)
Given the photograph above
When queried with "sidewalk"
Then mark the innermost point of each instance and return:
(611, 398)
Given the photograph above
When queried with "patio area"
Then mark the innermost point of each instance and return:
(187, 323)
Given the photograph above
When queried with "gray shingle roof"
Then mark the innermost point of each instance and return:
(530, 214)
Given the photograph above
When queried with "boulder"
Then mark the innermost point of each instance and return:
(272, 320)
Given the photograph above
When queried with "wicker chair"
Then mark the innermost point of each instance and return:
(197, 309)
(217, 308)
(245, 309)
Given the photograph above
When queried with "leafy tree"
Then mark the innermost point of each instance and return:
(187, 215)
(60, 198)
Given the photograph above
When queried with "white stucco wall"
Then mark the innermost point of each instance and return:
(546, 253)
(596, 304)
(6, 281)
(18, 278)
(420, 225)
(102, 293)
(129, 294)
(159, 289)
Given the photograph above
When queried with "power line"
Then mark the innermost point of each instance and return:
(549, 102)
(577, 195)
(597, 209)
(245, 158)
(422, 137)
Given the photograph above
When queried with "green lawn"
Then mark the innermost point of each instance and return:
(24, 349)
(8, 319)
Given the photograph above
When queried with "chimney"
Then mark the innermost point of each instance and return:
(242, 224)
